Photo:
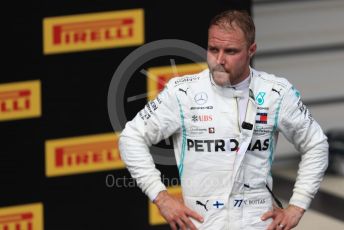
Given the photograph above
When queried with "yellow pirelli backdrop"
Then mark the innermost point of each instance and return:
(82, 154)
(22, 217)
(159, 76)
(59, 145)
(20, 100)
(93, 31)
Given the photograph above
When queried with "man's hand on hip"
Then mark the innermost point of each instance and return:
(175, 212)
(284, 219)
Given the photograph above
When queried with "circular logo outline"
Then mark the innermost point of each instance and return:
(120, 79)
(201, 98)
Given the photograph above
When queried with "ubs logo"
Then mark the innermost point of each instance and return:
(201, 98)
(202, 118)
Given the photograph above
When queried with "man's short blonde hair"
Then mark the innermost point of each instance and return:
(242, 19)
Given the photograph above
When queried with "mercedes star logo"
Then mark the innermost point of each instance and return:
(201, 98)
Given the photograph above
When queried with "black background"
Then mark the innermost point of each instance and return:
(74, 103)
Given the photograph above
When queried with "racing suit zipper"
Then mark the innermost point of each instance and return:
(238, 113)
(227, 224)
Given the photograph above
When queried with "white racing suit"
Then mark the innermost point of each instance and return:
(225, 166)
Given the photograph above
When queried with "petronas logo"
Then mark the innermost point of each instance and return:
(260, 98)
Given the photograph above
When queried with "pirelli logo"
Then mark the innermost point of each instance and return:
(82, 154)
(154, 215)
(20, 100)
(159, 76)
(23, 217)
(93, 31)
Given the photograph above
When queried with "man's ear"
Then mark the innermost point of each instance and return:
(252, 49)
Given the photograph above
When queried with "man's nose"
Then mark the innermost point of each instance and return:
(220, 59)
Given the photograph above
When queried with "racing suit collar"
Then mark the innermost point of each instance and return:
(234, 91)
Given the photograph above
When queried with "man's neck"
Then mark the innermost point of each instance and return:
(243, 77)
(244, 84)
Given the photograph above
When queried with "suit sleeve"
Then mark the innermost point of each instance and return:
(299, 127)
(156, 121)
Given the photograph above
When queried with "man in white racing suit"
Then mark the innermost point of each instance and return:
(225, 123)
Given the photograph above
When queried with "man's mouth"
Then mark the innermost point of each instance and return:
(220, 71)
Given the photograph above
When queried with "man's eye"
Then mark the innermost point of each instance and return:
(231, 51)
(212, 49)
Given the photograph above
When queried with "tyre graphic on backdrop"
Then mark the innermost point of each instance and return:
(117, 100)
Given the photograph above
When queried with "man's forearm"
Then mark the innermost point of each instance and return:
(135, 154)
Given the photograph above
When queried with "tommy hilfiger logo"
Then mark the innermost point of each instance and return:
(262, 118)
